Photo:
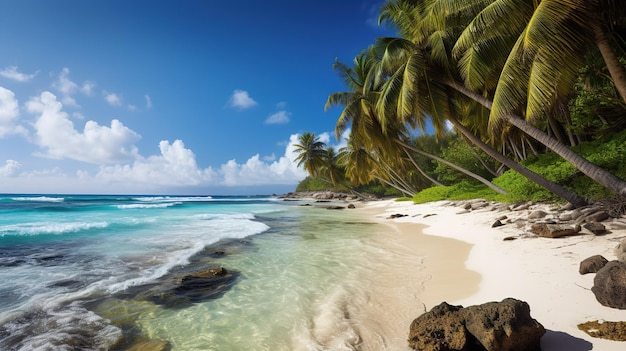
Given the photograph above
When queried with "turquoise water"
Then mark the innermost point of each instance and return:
(69, 263)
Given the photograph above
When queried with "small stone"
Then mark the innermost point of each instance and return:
(595, 227)
(496, 224)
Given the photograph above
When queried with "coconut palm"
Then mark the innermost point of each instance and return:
(311, 153)
(422, 84)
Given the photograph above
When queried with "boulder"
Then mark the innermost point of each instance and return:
(553, 230)
(592, 264)
(493, 326)
(537, 214)
(609, 285)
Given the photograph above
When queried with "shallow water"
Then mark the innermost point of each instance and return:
(68, 264)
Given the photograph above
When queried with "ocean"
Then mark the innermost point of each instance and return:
(91, 272)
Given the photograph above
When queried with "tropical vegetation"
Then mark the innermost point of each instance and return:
(509, 99)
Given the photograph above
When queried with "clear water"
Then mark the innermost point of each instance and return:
(67, 261)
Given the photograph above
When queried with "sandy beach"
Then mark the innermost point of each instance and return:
(467, 262)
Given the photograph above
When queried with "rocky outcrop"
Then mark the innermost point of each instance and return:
(592, 264)
(609, 285)
(493, 326)
(321, 196)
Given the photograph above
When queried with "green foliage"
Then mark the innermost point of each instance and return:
(460, 191)
(310, 184)
(460, 153)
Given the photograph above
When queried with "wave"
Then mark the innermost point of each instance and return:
(172, 198)
(144, 206)
(49, 228)
(39, 199)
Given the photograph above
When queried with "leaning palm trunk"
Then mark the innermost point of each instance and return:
(596, 173)
(616, 70)
(549, 185)
(452, 165)
(420, 170)
(395, 186)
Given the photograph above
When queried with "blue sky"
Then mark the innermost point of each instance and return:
(169, 97)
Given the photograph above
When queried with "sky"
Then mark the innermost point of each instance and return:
(169, 97)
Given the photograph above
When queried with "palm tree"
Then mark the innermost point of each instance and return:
(311, 153)
(544, 46)
(360, 112)
(420, 85)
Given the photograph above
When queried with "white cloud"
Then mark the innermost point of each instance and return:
(280, 117)
(9, 114)
(112, 99)
(88, 88)
(148, 101)
(66, 87)
(11, 72)
(95, 144)
(241, 100)
(10, 169)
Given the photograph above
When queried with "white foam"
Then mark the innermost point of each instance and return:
(49, 228)
(39, 199)
(146, 206)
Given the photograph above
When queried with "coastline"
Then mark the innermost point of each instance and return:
(540, 271)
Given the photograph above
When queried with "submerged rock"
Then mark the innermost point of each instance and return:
(493, 326)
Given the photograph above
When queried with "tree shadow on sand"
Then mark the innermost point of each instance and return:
(556, 340)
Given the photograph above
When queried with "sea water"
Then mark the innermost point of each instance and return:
(67, 263)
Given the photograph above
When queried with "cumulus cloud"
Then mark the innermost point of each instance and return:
(97, 144)
(112, 99)
(12, 73)
(256, 172)
(241, 100)
(10, 169)
(280, 117)
(9, 114)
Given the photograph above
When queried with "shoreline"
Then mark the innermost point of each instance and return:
(540, 271)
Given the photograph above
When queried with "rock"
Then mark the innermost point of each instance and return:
(537, 214)
(497, 223)
(552, 230)
(605, 330)
(592, 264)
(595, 228)
(570, 216)
(397, 215)
(351, 206)
(598, 217)
(335, 208)
(493, 326)
(509, 238)
(523, 206)
(620, 251)
(478, 205)
(155, 345)
(609, 285)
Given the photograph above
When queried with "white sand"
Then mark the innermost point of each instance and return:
(540, 271)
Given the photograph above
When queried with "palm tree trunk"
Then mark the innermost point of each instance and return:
(452, 165)
(420, 170)
(598, 174)
(616, 70)
(397, 187)
(549, 185)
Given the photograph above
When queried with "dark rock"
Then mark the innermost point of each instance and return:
(592, 264)
(509, 238)
(397, 215)
(351, 206)
(598, 217)
(552, 230)
(605, 330)
(609, 285)
(429, 214)
(497, 223)
(595, 228)
(493, 326)
(335, 208)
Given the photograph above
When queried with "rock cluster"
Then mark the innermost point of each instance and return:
(493, 326)
(549, 220)
(321, 195)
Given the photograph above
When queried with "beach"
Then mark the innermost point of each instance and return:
(469, 264)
